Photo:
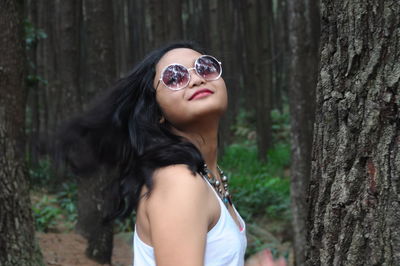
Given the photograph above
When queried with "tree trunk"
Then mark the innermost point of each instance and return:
(263, 74)
(33, 89)
(100, 72)
(17, 233)
(69, 54)
(173, 27)
(258, 72)
(303, 42)
(280, 55)
(355, 182)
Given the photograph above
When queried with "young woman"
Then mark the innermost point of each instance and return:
(159, 128)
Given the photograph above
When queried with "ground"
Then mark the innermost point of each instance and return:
(67, 249)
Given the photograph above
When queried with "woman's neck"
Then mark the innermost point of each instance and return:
(205, 138)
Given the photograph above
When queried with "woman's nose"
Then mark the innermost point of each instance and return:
(195, 79)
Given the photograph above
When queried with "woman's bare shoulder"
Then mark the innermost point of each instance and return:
(176, 175)
(175, 183)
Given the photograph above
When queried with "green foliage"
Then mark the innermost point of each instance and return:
(41, 174)
(259, 188)
(244, 127)
(67, 199)
(45, 213)
(52, 212)
(281, 124)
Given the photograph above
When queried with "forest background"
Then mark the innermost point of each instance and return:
(278, 79)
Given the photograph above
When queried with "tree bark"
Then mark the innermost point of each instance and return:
(354, 188)
(303, 42)
(17, 233)
(100, 72)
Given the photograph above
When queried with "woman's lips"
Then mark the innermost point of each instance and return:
(200, 94)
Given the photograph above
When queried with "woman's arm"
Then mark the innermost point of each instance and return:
(178, 216)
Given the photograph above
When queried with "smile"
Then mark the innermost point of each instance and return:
(200, 94)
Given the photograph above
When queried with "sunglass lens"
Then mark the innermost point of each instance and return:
(208, 67)
(175, 77)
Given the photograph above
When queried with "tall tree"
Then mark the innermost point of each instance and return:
(257, 18)
(304, 32)
(354, 190)
(100, 72)
(280, 54)
(17, 239)
(68, 53)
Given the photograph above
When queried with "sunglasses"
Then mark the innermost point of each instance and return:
(177, 76)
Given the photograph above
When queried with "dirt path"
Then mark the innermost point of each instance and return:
(69, 250)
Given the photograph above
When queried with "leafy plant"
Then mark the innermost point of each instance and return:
(243, 128)
(46, 212)
(281, 124)
(67, 199)
(40, 174)
(259, 188)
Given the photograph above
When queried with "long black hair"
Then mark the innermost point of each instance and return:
(122, 131)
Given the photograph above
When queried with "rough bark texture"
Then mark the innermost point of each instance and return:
(17, 239)
(354, 198)
(303, 42)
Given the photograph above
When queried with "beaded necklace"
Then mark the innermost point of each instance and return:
(221, 189)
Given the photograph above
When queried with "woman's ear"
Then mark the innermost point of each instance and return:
(162, 120)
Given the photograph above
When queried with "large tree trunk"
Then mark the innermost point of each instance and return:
(303, 42)
(355, 182)
(99, 74)
(17, 239)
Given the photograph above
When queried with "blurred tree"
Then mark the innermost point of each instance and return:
(99, 73)
(33, 119)
(228, 47)
(303, 23)
(354, 187)
(280, 54)
(17, 232)
(257, 22)
(68, 16)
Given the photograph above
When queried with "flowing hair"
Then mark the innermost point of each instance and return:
(122, 131)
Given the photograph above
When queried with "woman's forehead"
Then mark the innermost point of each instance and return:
(183, 56)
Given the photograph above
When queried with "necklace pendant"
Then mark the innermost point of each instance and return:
(225, 200)
(222, 191)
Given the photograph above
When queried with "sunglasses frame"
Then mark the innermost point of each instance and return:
(188, 70)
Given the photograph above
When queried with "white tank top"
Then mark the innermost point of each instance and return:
(226, 243)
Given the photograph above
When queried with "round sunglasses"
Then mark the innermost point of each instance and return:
(177, 76)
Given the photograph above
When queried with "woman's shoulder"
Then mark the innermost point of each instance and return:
(177, 191)
(177, 177)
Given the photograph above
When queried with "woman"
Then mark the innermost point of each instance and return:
(159, 128)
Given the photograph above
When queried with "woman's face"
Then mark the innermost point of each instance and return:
(199, 99)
